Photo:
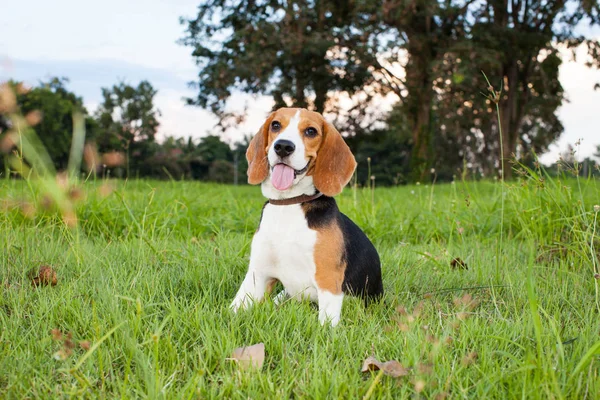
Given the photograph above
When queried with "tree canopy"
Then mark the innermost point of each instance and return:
(429, 53)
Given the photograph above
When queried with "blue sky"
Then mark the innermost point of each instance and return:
(97, 44)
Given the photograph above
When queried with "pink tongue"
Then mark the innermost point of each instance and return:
(282, 177)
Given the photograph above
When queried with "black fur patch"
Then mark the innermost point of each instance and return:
(363, 267)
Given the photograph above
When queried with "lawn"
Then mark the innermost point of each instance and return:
(490, 293)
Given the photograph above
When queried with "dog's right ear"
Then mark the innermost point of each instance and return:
(258, 165)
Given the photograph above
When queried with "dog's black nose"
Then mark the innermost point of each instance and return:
(284, 148)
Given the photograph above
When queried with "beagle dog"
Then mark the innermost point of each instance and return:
(303, 241)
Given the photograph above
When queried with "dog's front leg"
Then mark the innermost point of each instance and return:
(330, 306)
(253, 289)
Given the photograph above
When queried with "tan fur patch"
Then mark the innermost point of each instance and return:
(335, 165)
(330, 268)
(270, 285)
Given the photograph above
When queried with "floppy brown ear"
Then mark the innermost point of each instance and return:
(258, 165)
(335, 163)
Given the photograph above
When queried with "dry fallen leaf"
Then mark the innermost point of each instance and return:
(469, 358)
(56, 334)
(249, 356)
(45, 275)
(391, 368)
(85, 344)
(458, 263)
(419, 386)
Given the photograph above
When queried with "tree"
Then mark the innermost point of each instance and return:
(128, 120)
(426, 30)
(214, 161)
(212, 148)
(296, 51)
(517, 44)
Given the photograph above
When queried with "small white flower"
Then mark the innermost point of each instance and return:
(596, 208)
(412, 192)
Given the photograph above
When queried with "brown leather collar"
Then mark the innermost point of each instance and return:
(304, 198)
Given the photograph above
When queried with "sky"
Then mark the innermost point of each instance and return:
(98, 44)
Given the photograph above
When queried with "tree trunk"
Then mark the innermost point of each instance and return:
(419, 111)
(510, 117)
(320, 99)
(299, 96)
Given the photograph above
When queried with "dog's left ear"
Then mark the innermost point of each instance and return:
(335, 163)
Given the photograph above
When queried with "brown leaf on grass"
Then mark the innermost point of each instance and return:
(392, 368)
(67, 344)
(56, 334)
(249, 356)
(469, 358)
(419, 386)
(458, 263)
(85, 344)
(68, 341)
(63, 354)
(466, 302)
(43, 276)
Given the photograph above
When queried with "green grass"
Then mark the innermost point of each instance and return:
(149, 273)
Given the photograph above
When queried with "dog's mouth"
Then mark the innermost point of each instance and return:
(282, 175)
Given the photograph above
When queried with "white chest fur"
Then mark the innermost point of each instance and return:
(283, 248)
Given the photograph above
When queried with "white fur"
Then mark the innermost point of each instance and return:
(297, 159)
(330, 307)
(302, 184)
(283, 248)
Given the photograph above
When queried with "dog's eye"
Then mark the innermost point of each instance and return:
(310, 132)
(275, 126)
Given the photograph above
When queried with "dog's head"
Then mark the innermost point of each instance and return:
(294, 143)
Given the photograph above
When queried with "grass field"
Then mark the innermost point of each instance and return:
(140, 308)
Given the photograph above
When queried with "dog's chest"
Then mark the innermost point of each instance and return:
(284, 247)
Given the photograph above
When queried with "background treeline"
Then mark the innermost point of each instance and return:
(123, 133)
(401, 78)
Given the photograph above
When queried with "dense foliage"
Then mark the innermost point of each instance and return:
(428, 53)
